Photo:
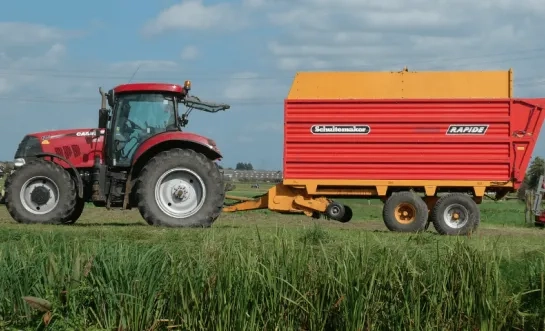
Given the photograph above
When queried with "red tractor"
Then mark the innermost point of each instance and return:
(138, 157)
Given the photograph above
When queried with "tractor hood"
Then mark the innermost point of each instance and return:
(49, 141)
(56, 134)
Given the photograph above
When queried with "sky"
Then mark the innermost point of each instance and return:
(55, 54)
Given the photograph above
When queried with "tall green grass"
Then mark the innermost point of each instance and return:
(286, 283)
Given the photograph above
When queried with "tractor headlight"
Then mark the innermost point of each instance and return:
(17, 163)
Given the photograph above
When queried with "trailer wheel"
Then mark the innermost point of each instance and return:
(347, 214)
(456, 214)
(335, 211)
(180, 188)
(40, 192)
(405, 212)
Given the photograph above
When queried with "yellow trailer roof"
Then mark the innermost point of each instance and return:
(403, 84)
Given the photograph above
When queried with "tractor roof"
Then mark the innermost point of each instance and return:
(140, 87)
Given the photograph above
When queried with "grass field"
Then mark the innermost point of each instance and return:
(262, 270)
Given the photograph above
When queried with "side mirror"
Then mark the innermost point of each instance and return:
(111, 98)
(103, 117)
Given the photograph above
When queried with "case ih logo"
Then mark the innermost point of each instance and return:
(340, 129)
(467, 129)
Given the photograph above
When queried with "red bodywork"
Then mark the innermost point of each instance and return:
(80, 146)
(540, 219)
(175, 135)
(138, 87)
(81, 150)
(408, 139)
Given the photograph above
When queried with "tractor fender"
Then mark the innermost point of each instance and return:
(79, 180)
(173, 139)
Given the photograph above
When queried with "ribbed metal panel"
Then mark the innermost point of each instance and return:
(408, 139)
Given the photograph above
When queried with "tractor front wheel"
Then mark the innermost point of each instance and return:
(180, 188)
(76, 212)
(41, 192)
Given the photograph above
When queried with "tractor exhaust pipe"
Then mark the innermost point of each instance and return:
(103, 111)
(103, 101)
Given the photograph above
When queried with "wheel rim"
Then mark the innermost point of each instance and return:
(456, 216)
(39, 195)
(335, 210)
(405, 213)
(180, 193)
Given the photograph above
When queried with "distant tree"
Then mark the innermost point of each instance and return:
(531, 180)
(244, 166)
(8, 166)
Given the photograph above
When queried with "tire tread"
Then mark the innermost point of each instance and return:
(171, 158)
(49, 169)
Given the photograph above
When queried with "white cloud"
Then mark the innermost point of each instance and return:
(276, 127)
(189, 52)
(143, 66)
(242, 86)
(254, 3)
(4, 86)
(247, 86)
(21, 33)
(195, 15)
(24, 72)
(422, 34)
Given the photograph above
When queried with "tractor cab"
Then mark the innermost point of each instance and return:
(140, 111)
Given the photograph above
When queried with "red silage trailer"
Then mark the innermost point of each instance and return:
(430, 160)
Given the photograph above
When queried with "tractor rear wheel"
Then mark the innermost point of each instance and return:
(180, 188)
(40, 192)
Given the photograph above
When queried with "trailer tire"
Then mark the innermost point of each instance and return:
(335, 211)
(56, 184)
(348, 213)
(199, 187)
(461, 204)
(414, 212)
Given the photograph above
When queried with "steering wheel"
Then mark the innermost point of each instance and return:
(135, 126)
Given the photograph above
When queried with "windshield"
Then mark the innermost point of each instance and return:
(154, 111)
(139, 116)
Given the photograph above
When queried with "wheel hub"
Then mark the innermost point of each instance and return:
(405, 213)
(40, 195)
(180, 193)
(456, 216)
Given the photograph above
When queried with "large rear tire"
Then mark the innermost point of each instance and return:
(405, 212)
(180, 188)
(40, 192)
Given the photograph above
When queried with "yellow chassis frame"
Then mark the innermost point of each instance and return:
(310, 196)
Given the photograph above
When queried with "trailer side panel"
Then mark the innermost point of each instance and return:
(410, 139)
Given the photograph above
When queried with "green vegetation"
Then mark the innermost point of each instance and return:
(261, 270)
